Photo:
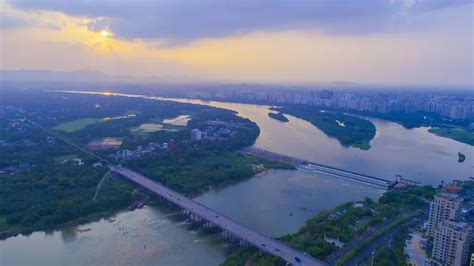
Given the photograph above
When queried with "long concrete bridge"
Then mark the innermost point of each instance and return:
(317, 167)
(194, 208)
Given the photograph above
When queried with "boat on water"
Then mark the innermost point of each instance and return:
(82, 230)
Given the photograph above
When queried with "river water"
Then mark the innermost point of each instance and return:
(276, 203)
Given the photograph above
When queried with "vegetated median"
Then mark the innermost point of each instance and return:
(349, 130)
(376, 236)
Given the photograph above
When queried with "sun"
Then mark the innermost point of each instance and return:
(104, 33)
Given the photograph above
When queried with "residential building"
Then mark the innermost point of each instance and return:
(451, 243)
(445, 206)
(196, 134)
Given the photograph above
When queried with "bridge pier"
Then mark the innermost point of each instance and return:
(214, 222)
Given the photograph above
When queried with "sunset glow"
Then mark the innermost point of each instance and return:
(410, 54)
(104, 33)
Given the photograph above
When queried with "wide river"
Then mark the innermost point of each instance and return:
(275, 204)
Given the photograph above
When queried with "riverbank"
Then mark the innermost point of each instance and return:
(325, 234)
(457, 134)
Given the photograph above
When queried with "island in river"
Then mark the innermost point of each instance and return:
(349, 130)
(278, 116)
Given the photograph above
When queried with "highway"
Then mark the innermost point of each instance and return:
(260, 241)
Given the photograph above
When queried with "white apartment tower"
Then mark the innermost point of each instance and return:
(451, 243)
(445, 206)
(196, 134)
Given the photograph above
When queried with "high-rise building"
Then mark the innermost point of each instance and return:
(472, 259)
(445, 206)
(196, 134)
(451, 243)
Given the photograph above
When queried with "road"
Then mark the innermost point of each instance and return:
(367, 251)
(260, 241)
(360, 240)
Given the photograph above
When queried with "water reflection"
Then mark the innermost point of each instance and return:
(142, 237)
(68, 234)
(289, 197)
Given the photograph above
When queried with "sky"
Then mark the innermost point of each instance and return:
(390, 42)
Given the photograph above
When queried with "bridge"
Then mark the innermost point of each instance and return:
(197, 210)
(317, 167)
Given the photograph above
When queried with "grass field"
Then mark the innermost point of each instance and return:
(77, 124)
(154, 127)
(68, 157)
(460, 135)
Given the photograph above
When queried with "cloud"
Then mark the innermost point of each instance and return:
(184, 21)
(429, 44)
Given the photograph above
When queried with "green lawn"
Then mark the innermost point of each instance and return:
(147, 128)
(77, 124)
(457, 134)
(67, 157)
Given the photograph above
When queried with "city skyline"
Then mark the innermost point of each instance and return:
(383, 42)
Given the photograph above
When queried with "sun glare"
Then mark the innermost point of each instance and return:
(104, 33)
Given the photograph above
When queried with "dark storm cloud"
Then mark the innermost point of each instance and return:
(189, 20)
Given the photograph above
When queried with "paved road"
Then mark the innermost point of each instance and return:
(360, 240)
(367, 251)
(259, 240)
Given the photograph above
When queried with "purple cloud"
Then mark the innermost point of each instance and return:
(182, 21)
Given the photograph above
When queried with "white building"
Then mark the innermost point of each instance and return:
(196, 134)
(451, 243)
(445, 206)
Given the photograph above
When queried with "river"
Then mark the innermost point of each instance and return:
(276, 203)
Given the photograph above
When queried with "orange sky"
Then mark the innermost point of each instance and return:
(438, 55)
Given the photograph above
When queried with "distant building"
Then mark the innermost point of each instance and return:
(172, 144)
(444, 207)
(451, 243)
(472, 259)
(196, 134)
